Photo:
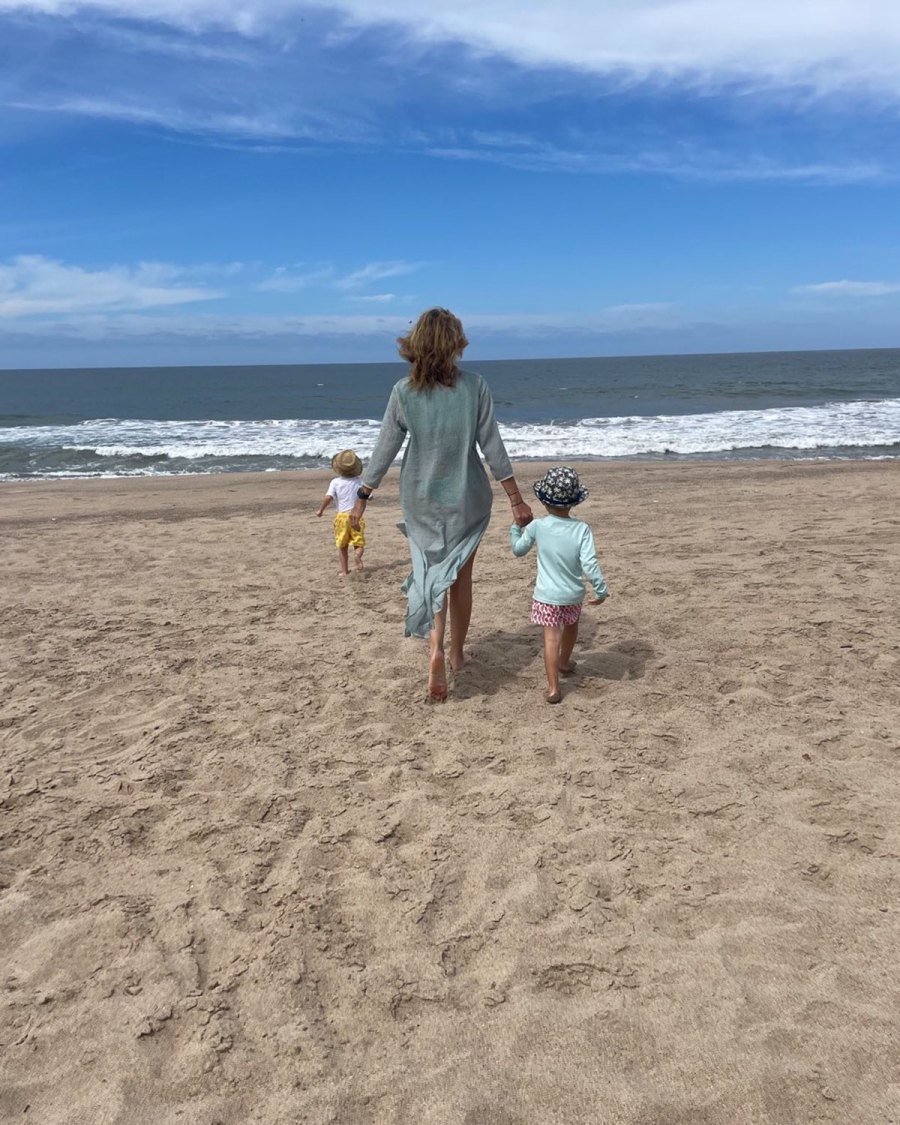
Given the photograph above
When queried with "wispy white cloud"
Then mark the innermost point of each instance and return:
(821, 45)
(203, 326)
(289, 279)
(256, 127)
(377, 271)
(35, 286)
(608, 319)
(848, 289)
(284, 129)
(649, 315)
(681, 162)
(283, 75)
(31, 285)
(170, 42)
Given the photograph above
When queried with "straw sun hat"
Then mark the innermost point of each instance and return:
(346, 463)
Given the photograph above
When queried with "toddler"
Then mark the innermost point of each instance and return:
(565, 551)
(342, 490)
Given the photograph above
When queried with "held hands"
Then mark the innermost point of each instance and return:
(356, 513)
(521, 512)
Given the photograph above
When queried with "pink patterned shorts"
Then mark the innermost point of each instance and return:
(554, 615)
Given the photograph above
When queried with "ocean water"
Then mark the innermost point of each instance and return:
(144, 421)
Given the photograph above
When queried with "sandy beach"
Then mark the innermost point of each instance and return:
(248, 873)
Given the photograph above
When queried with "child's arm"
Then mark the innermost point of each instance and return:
(522, 539)
(328, 499)
(591, 567)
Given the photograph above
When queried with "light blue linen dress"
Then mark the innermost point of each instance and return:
(445, 494)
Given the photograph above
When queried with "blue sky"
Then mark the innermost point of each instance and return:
(194, 181)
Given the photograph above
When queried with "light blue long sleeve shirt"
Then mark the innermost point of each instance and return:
(565, 551)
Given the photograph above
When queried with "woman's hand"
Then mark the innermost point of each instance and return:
(522, 516)
(356, 513)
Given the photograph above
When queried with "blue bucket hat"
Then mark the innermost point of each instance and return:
(560, 488)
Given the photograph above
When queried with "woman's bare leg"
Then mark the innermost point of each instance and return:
(437, 668)
(459, 602)
(552, 636)
(460, 598)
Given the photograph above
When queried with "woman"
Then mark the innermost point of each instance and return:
(445, 494)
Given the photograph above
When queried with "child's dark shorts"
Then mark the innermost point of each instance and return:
(554, 615)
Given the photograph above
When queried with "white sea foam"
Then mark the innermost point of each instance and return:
(830, 426)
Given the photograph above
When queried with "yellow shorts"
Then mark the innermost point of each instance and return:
(347, 536)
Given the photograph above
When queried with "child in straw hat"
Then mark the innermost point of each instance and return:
(565, 551)
(342, 490)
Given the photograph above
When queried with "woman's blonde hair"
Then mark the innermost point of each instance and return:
(432, 347)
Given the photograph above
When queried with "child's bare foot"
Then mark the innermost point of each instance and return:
(437, 678)
(568, 669)
(554, 697)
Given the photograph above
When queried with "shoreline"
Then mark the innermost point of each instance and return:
(661, 459)
(278, 490)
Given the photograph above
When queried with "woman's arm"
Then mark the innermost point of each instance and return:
(390, 437)
(521, 511)
(491, 444)
(489, 439)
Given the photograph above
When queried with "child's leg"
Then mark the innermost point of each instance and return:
(358, 542)
(342, 541)
(566, 644)
(552, 637)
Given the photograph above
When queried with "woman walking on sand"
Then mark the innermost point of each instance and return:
(445, 494)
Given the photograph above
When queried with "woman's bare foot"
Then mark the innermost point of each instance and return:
(554, 697)
(458, 660)
(437, 677)
(568, 669)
